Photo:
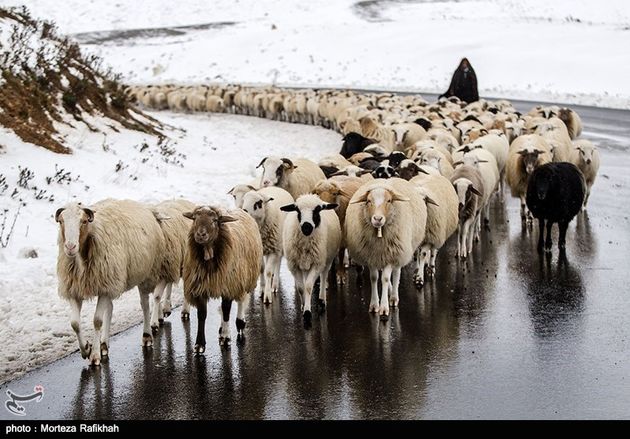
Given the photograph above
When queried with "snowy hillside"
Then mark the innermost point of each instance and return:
(561, 51)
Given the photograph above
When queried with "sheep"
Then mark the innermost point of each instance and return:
(356, 159)
(339, 190)
(354, 171)
(297, 177)
(264, 206)
(408, 169)
(442, 218)
(385, 224)
(372, 129)
(175, 229)
(311, 241)
(526, 153)
(223, 258)
(555, 194)
(105, 250)
(239, 191)
(572, 121)
(557, 136)
(384, 171)
(498, 146)
(336, 160)
(354, 143)
(487, 165)
(586, 157)
(406, 135)
(215, 104)
(468, 184)
(436, 159)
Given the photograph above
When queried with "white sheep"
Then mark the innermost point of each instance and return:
(105, 250)
(311, 240)
(385, 224)
(468, 184)
(586, 157)
(526, 153)
(264, 206)
(223, 260)
(442, 218)
(298, 177)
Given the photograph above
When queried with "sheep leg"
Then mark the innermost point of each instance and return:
(588, 194)
(75, 322)
(486, 215)
(261, 284)
(99, 315)
(422, 257)
(478, 227)
(224, 330)
(393, 300)
(166, 303)
(470, 234)
(562, 239)
(374, 282)
(156, 314)
(523, 209)
(541, 235)
(186, 310)
(241, 307)
(323, 284)
(341, 266)
(309, 282)
(107, 324)
(202, 313)
(460, 233)
(268, 271)
(147, 339)
(386, 285)
(346, 258)
(548, 242)
(434, 252)
(275, 284)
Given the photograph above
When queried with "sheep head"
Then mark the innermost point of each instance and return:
(207, 223)
(530, 159)
(255, 203)
(74, 221)
(378, 204)
(308, 208)
(275, 170)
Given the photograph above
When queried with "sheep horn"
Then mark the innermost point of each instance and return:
(61, 209)
(430, 200)
(289, 163)
(261, 163)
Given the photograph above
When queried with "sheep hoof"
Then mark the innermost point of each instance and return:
(224, 341)
(147, 340)
(321, 304)
(200, 348)
(104, 350)
(308, 317)
(86, 351)
(95, 358)
(431, 272)
(268, 299)
(155, 329)
(161, 322)
(240, 325)
(185, 316)
(384, 317)
(373, 307)
(393, 302)
(384, 311)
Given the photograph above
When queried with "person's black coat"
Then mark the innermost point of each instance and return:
(464, 83)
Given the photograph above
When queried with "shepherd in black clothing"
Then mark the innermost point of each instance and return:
(464, 83)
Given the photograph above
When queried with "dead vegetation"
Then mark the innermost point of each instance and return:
(46, 79)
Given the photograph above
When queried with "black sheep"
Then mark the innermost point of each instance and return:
(464, 83)
(555, 193)
(354, 143)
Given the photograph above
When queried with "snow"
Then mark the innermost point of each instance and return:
(220, 151)
(561, 51)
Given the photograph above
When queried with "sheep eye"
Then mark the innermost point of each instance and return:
(389, 201)
(84, 221)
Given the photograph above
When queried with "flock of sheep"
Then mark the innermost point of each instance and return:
(408, 176)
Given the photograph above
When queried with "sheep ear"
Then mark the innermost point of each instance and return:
(474, 190)
(61, 209)
(363, 172)
(522, 152)
(482, 161)
(329, 206)
(268, 199)
(189, 215)
(161, 216)
(289, 208)
(398, 197)
(231, 191)
(227, 219)
(457, 163)
(421, 170)
(261, 163)
(430, 200)
(89, 213)
(361, 199)
(288, 164)
(338, 173)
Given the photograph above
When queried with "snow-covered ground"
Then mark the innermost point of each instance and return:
(557, 51)
(218, 152)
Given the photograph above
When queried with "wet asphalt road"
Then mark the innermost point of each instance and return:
(509, 334)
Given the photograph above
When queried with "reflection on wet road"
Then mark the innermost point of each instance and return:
(509, 334)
